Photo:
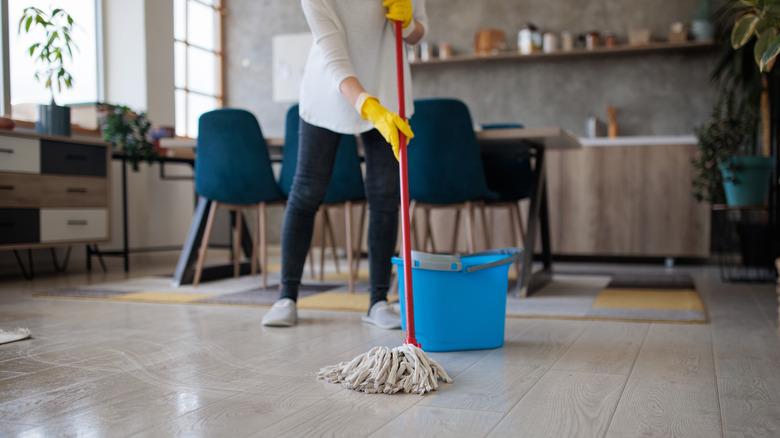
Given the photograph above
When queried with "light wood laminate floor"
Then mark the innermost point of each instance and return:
(131, 369)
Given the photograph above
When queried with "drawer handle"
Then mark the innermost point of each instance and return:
(6, 187)
(6, 151)
(76, 190)
(75, 157)
(7, 224)
(77, 222)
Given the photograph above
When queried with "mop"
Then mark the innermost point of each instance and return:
(406, 368)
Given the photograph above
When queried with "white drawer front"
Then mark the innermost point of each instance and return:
(78, 224)
(20, 155)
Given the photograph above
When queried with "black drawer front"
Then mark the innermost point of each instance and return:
(72, 159)
(19, 225)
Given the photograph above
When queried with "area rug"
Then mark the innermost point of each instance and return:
(624, 297)
(621, 297)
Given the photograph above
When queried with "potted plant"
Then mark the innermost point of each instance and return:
(128, 132)
(727, 135)
(54, 44)
(746, 177)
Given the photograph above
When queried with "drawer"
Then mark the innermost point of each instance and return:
(20, 190)
(62, 158)
(77, 224)
(73, 191)
(19, 154)
(19, 226)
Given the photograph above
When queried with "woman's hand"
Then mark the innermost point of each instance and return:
(399, 10)
(386, 122)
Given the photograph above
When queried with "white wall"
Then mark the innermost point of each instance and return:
(139, 72)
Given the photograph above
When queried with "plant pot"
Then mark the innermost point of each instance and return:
(53, 120)
(746, 180)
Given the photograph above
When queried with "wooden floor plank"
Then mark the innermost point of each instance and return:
(672, 389)
(564, 404)
(426, 421)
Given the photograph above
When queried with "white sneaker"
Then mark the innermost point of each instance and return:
(383, 316)
(283, 313)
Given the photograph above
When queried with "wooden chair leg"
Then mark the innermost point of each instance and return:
(204, 244)
(429, 231)
(332, 237)
(485, 228)
(470, 227)
(520, 221)
(349, 246)
(237, 243)
(513, 233)
(455, 235)
(255, 242)
(361, 224)
(323, 242)
(413, 226)
(263, 244)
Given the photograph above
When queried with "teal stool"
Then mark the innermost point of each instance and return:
(445, 167)
(345, 190)
(233, 171)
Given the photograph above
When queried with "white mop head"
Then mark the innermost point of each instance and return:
(386, 370)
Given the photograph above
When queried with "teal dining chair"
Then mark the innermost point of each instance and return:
(445, 167)
(345, 191)
(233, 170)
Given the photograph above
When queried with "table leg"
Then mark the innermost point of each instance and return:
(125, 239)
(534, 210)
(189, 252)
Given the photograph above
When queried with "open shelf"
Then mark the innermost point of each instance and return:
(577, 53)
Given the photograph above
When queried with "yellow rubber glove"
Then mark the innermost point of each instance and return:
(399, 10)
(386, 122)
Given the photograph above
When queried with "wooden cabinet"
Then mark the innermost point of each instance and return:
(626, 201)
(52, 191)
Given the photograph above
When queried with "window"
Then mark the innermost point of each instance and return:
(26, 93)
(198, 61)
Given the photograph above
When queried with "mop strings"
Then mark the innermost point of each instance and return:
(384, 370)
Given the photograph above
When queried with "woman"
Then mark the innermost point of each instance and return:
(349, 74)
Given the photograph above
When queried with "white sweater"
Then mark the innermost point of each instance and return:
(351, 38)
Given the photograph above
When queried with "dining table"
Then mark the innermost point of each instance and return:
(533, 142)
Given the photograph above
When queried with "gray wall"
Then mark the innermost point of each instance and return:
(654, 93)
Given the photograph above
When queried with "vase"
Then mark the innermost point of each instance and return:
(53, 120)
(746, 180)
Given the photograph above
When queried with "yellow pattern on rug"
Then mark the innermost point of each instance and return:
(161, 297)
(335, 300)
(668, 299)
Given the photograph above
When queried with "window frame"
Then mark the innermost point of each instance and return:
(5, 57)
(218, 53)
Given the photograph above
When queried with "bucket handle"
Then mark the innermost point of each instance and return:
(436, 262)
(512, 254)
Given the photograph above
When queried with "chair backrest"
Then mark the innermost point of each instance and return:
(510, 176)
(346, 182)
(445, 166)
(233, 165)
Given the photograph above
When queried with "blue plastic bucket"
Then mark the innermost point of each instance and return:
(459, 301)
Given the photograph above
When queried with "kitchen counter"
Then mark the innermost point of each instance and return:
(654, 140)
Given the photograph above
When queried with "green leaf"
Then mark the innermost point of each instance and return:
(762, 43)
(743, 30)
(770, 53)
(32, 48)
(70, 20)
(28, 24)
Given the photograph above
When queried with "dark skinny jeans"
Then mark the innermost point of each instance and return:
(316, 156)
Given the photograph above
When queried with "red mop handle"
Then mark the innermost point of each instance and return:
(404, 174)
